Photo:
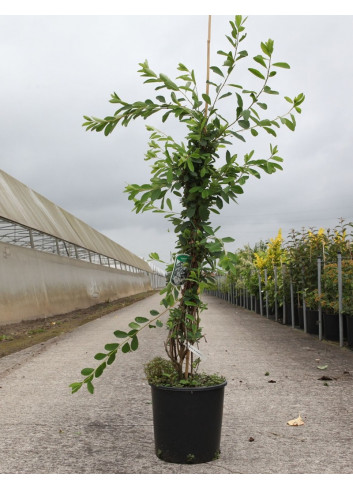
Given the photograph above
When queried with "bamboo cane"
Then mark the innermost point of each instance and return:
(208, 62)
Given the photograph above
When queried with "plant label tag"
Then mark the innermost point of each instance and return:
(180, 270)
(193, 349)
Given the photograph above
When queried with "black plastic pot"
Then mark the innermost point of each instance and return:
(271, 313)
(301, 317)
(331, 326)
(289, 315)
(312, 321)
(349, 326)
(288, 321)
(257, 307)
(187, 423)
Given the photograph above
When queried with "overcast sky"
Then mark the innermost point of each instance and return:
(55, 69)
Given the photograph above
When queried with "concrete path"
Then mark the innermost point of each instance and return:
(47, 430)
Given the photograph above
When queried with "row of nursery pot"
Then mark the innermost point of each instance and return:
(306, 282)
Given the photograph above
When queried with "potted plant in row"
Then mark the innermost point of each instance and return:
(202, 175)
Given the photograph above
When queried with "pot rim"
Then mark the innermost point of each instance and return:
(189, 389)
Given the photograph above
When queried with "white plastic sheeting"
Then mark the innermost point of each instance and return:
(21, 204)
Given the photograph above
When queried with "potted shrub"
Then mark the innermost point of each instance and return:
(271, 259)
(202, 175)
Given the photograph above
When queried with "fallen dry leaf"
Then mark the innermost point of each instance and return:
(296, 422)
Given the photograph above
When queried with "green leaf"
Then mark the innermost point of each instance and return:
(228, 240)
(120, 334)
(238, 136)
(242, 54)
(90, 387)
(268, 90)
(240, 100)
(111, 358)
(111, 346)
(190, 164)
(282, 65)
(219, 203)
(166, 115)
(267, 47)
(244, 124)
(125, 348)
(190, 212)
(254, 172)
(228, 94)
(159, 323)
(75, 387)
(134, 343)
(270, 131)
(153, 312)
(256, 73)
(259, 59)
(277, 158)
(155, 256)
(288, 123)
(141, 320)
(133, 332)
(264, 122)
(100, 356)
(87, 371)
(133, 325)
(195, 189)
(169, 204)
(238, 20)
(215, 69)
(100, 369)
(168, 83)
(206, 98)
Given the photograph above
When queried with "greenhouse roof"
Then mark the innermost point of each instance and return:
(21, 204)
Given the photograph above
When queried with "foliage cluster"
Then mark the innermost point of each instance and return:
(296, 259)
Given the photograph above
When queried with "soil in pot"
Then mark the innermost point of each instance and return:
(187, 423)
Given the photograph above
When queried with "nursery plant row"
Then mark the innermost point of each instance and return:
(305, 281)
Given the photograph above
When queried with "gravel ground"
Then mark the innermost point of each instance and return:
(273, 377)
